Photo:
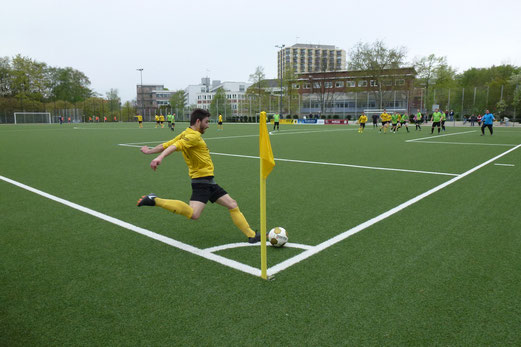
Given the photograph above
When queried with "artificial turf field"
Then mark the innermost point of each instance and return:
(434, 257)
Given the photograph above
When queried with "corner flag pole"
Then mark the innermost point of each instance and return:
(267, 162)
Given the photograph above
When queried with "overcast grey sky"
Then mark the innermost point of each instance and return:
(178, 42)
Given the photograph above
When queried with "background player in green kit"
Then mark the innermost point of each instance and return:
(436, 119)
(418, 120)
(404, 119)
(394, 122)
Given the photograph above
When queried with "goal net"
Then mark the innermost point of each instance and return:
(32, 117)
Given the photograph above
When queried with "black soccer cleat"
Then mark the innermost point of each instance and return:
(147, 200)
(254, 239)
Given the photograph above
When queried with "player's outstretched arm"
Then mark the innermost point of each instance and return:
(157, 161)
(157, 149)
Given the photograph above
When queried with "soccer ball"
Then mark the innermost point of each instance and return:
(278, 237)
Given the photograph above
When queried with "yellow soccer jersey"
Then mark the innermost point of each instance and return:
(195, 152)
(157, 118)
(220, 118)
(385, 117)
(139, 118)
(362, 119)
(161, 118)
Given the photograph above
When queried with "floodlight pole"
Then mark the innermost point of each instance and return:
(281, 72)
(141, 92)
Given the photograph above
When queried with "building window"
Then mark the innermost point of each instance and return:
(241, 88)
(316, 84)
(362, 83)
(373, 83)
(388, 83)
(296, 86)
(351, 84)
(307, 85)
(339, 84)
(400, 82)
(328, 84)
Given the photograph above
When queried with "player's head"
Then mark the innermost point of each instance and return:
(199, 118)
(487, 111)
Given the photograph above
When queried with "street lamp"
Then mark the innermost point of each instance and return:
(141, 92)
(281, 72)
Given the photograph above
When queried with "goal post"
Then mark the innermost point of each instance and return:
(32, 117)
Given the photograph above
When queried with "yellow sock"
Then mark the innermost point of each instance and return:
(240, 222)
(175, 206)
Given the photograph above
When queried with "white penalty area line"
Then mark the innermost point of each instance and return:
(207, 254)
(320, 247)
(237, 136)
(504, 164)
(338, 164)
(438, 136)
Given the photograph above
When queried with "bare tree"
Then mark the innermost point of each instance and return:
(428, 69)
(378, 61)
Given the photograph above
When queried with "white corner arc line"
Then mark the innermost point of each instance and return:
(339, 164)
(438, 136)
(320, 247)
(174, 243)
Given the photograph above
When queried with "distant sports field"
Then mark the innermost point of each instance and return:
(394, 239)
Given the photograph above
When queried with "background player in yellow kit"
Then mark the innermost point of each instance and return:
(386, 118)
(362, 120)
(220, 122)
(139, 120)
(200, 169)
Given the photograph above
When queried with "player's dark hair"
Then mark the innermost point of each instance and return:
(198, 113)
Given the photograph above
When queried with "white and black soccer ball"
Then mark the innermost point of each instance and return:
(278, 236)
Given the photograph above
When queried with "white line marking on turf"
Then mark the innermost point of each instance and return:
(174, 243)
(245, 244)
(469, 143)
(504, 164)
(239, 136)
(320, 247)
(438, 136)
(338, 164)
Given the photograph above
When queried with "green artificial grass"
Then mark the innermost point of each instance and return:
(443, 271)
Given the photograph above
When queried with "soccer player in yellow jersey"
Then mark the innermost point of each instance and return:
(220, 122)
(200, 170)
(162, 121)
(386, 118)
(140, 120)
(362, 120)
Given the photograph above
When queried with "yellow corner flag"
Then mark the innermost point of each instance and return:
(265, 152)
(266, 165)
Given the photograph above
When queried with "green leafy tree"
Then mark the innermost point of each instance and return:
(69, 84)
(29, 79)
(5, 76)
(376, 59)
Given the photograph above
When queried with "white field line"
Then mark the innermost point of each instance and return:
(338, 164)
(324, 163)
(174, 243)
(438, 136)
(239, 136)
(320, 247)
(504, 164)
(468, 143)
